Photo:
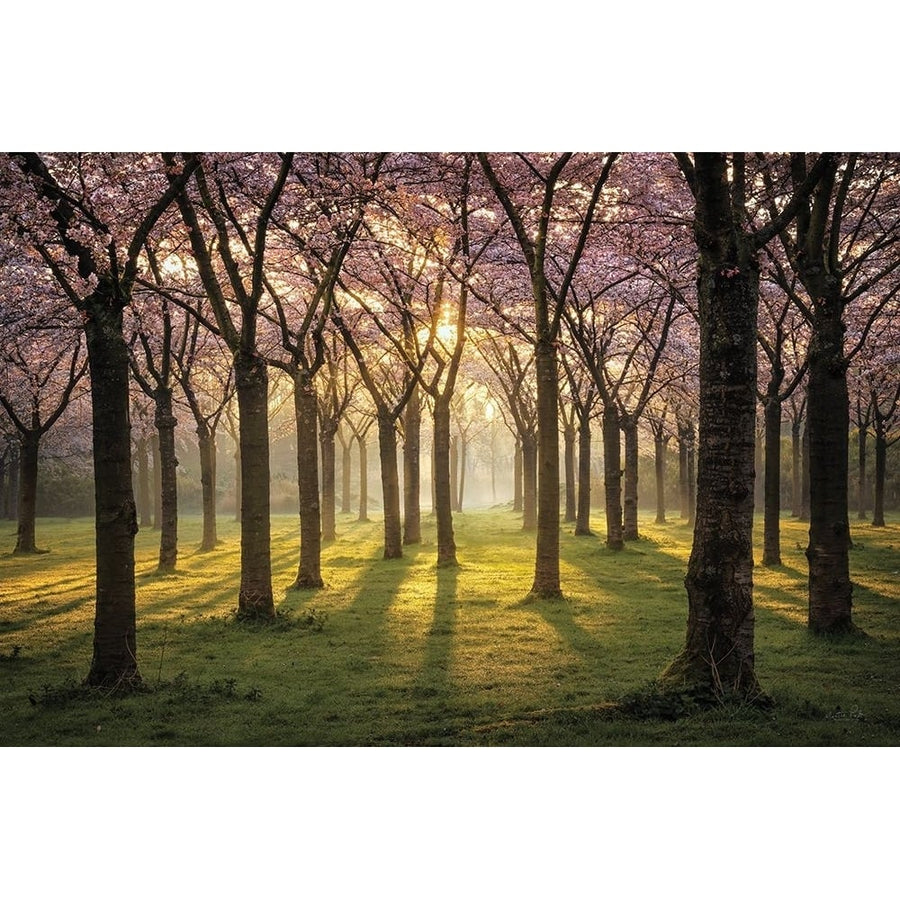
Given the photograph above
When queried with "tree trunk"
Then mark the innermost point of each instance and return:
(529, 482)
(446, 543)
(329, 498)
(346, 469)
(683, 477)
(207, 446)
(157, 481)
(881, 445)
(583, 513)
(363, 480)
(828, 411)
(463, 461)
(863, 486)
(569, 469)
(659, 465)
(12, 488)
(28, 476)
(255, 598)
(144, 483)
(546, 567)
(454, 472)
(612, 477)
(164, 420)
(772, 499)
(114, 661)
(759, 481)
(718, 656)
(390, 487)
(412, 428)
(630, 430)
(796, 474)
(517, 476)
(309, 574)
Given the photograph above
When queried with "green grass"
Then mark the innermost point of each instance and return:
(400, 652)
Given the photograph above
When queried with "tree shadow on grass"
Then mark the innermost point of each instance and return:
(434, 676)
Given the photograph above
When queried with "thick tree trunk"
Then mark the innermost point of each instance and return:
(114, 661)
(718, 656)
(772, 501)
(255, 598)
(517, 476)
(412, 428)
(880, 470)
(157, 481)
(583, 513)
(830, 589)
(569, 469)
(529, 482)
(207, 446)
(329, 498)
(863, 486)
(546, 567)
(795, 471)
(164, 420)
(446, 543)
(630, 512)
(309, 574)
(28, 476)
(390, 487)
(363, 480)
(612, 477)
(143, 473)
(659, 466)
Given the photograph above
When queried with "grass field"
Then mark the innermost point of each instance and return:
(401, 653)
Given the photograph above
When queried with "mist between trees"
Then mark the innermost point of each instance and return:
(704, 335)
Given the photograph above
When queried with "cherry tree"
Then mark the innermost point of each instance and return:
(88, 216)
(718, 656)
(537, 193)
(227, 213)
(842, 249)
(41, 364)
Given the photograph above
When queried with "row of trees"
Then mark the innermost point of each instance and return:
(557, 289)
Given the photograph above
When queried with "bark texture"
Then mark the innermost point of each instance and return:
(583, 513)
(165, 422)
(446, 543)
(255, 599)
(718, 655)
(309, 573)
(612, 477)
(630, 510)
(828, 410)
(114, 661)
(28, 478)
(412, 427)
(390, 487)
